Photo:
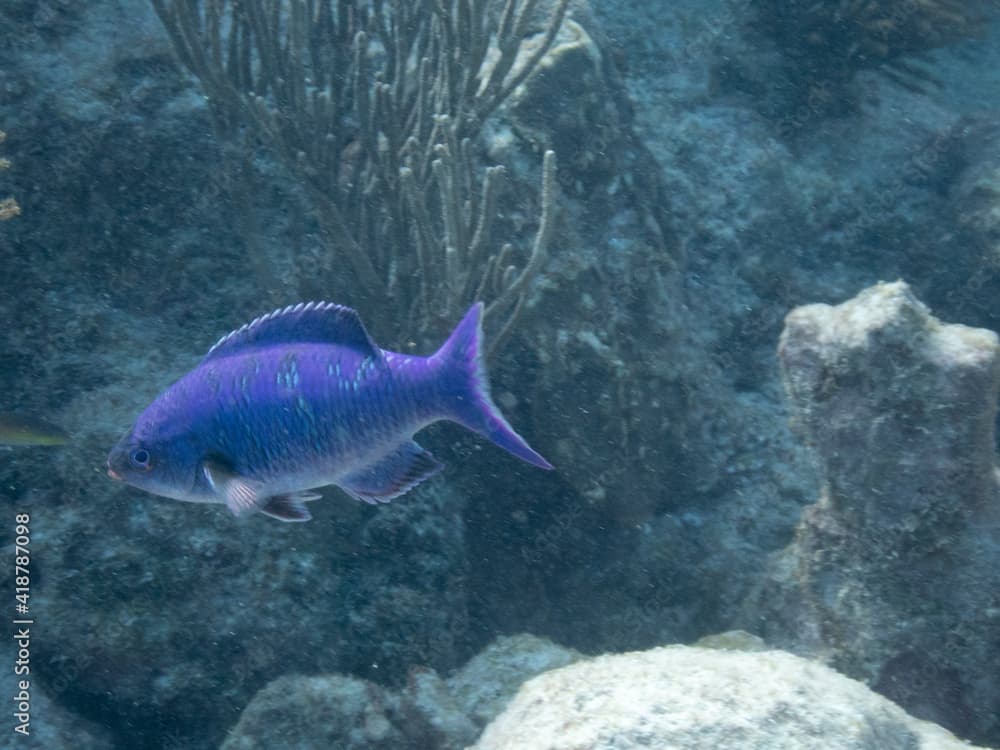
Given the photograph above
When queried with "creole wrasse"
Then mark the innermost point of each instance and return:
(302, 398)
(18, 429)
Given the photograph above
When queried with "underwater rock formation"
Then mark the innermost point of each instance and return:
(894, 573)
(975, 195)
(622, 277)
(50, 724)
(691, 698)
(328, 711)
(825, 44)
(428, 712)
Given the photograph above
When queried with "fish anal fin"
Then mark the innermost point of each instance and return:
(288, 507)
(391, 476)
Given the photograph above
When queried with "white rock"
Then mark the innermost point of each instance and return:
(683, 698)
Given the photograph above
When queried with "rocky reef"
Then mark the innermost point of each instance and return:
(894, 571)
(427, 712)
(824, 45)
(729, 691)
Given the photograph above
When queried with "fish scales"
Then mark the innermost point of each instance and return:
(302, 398)
(276, 427)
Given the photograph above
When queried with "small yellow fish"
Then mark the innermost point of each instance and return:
(17, 429)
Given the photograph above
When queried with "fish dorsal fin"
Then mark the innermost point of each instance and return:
(304, 323)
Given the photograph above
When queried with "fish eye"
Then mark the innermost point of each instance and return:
(140, 458)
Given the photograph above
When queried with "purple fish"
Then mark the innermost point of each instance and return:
(302, 398)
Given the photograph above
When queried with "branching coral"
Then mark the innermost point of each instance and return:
(375, 108)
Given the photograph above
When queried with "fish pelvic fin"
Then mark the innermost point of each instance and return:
(466, 390)
(240, 494)
(243, 495)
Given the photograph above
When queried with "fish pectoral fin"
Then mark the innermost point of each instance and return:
(288, 507)
(240, 494)
(391, 476)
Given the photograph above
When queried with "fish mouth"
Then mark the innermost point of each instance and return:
(114, 475)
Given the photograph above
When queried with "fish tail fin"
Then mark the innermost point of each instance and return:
(466, 390)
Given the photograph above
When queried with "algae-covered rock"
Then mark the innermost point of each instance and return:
(47, 724)
(328, 711)
(975, 193)
(343, 712)
(894, 571)
(485, 685)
